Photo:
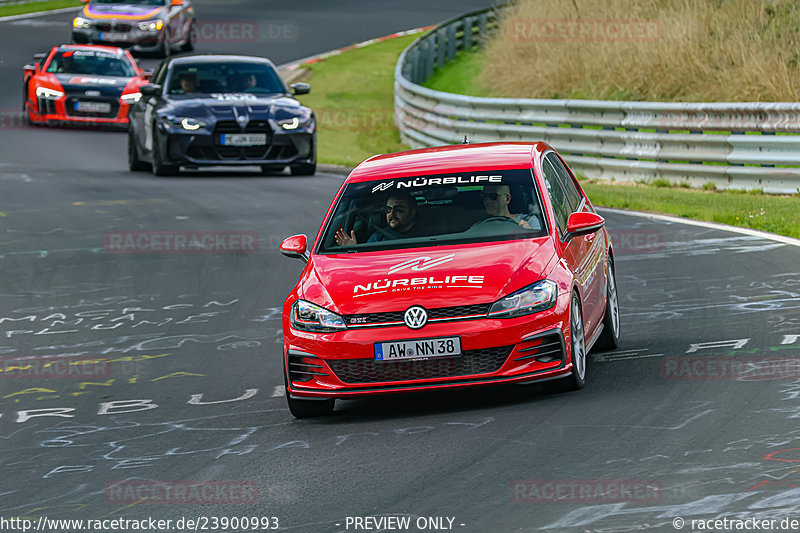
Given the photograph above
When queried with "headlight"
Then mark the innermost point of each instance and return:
(309, 317)
(531, 299)
(80, 22)
(295, 122)
(48, 94)
(151, 25)
(187, 123)
(131, 98)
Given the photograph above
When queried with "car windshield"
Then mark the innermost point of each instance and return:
(435, 210)
(133, 2)
(94, 62)
(225, 78)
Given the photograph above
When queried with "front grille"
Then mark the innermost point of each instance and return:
(242, 152)
(72, 100)
(102, 26)
(470, 362)
(122, 27)
(545, 349)
(46, 107)
(440, 313)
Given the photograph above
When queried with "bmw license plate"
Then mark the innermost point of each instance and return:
(418, 349)
(243, 139)
(113, 37)
(93, 107)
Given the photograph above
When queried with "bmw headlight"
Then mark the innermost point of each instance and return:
(295, 122)
(81, 23)
(310, 317)
(131, 98)
(531, 299)
(187, 123)
(48, 94)
(151, 25)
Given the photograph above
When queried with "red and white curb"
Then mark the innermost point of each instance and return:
(289, 67)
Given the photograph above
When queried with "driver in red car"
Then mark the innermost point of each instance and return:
(496, 199)
(401, 215)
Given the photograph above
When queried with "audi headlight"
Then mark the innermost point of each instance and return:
(151, 25)
(187, 123)
(297, 121)
(131, 98)
(531, 299)
(310, 317)
(48, 94)
(82, 23)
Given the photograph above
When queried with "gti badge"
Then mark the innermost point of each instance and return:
(415, 317)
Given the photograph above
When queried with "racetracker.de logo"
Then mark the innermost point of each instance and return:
(181, 242)
(585, 30)
(586, 490)
(246, 31)
(181, 492)
(41, 368)
(637, 241)
(730, 368)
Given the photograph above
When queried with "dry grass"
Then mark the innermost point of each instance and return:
(670, 50)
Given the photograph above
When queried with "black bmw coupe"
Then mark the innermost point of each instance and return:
(209, 110)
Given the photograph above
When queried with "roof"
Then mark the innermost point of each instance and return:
(445, 159)
(207, 58)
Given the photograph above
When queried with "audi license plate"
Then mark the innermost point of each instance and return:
(113, 37)
(418, 349)
(93, 107)
(243, 139)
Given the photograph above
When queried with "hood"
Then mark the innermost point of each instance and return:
(433, 277)
(80, 83)
(234, 105)
(122, 11)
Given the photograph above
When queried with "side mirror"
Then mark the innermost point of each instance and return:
(300, 88)
(85, 1)
(151, 89)
(295, 247)
(583, 224)
(177, 3)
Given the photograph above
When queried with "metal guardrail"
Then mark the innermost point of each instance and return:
(733, 145)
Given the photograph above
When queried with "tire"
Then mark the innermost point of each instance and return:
(304, 169)
(577, 378)
(609, 338)
(159, 167)
(188, 46)
(307, 408)
(134, 163)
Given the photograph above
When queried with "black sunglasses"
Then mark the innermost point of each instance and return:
(399, 209)
(493, 195)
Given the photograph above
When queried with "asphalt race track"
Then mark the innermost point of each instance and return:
(695, 416)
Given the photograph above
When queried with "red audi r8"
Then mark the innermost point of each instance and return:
(449, 267)
(81, 84)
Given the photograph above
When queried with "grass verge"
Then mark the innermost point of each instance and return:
(353, 100)
(35, 7)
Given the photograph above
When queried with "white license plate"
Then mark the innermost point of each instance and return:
(243, 139)
(418, 349)
(93, 107)
(112, 36)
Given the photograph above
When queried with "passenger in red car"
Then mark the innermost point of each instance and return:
(401, 217)
(496, 199)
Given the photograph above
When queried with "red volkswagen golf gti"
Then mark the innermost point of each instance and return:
(449, 267)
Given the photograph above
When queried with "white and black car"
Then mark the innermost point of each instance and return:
(210, 110)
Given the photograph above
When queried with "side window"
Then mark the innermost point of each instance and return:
(160, 75)
(572, 195)
(557, 197)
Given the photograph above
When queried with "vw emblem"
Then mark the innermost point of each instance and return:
(416, 317)
(92, 93)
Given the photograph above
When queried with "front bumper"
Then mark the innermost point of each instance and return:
(133, 38)
(62, 111)
(494, 351)
(203, 148)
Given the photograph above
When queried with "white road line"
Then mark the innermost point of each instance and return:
(278, 391)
